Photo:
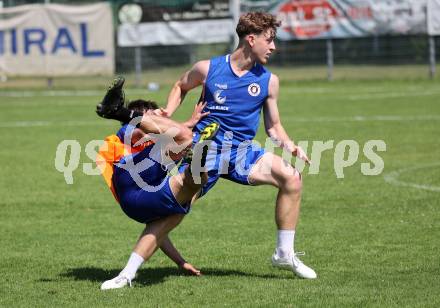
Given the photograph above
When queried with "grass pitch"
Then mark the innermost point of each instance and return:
(373, 240)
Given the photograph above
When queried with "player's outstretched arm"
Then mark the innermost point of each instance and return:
(168, 248)
(191, 79)
(272, 121)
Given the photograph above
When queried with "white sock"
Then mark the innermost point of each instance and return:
(134, 262)
(285, 240)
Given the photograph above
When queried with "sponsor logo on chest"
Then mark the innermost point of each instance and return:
(219, 97)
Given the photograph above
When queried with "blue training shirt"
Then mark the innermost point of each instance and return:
(234, 102)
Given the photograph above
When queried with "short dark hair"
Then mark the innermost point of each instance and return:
(142, 105)
(257, 23)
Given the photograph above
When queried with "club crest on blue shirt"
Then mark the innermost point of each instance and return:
(254, 89)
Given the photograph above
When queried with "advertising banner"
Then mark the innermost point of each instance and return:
(193, 23)
(311, 19)
(56, 40)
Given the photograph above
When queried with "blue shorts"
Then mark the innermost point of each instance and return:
(234, 165)
(146, 195)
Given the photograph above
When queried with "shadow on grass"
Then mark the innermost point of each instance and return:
(151, 276)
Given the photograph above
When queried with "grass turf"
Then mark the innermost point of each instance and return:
(372, 243)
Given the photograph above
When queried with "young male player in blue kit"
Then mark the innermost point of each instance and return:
(236, 87)
(134, 166)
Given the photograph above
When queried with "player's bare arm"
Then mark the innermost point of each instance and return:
(272, 121)
(170, 250)
(191, 79)
(139, 136)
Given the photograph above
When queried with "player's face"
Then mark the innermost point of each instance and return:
(263, 46)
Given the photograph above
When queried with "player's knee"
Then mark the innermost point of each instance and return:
(194, 183)
(291, 182)
(173, 220)
(204, 178)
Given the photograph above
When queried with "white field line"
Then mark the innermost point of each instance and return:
(360, 92)
(61, 93)
(392, 95)
(99, 122)
(366, 118)
(19, 124)
(393, 178)
(334, 90)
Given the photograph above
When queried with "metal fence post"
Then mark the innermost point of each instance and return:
(138, 65)
(330, 61)
(431, 39)
(234, 6)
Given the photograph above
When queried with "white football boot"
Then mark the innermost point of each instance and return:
(118, 282)
(292, 262)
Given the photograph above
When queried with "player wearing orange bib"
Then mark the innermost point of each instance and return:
(135, 164)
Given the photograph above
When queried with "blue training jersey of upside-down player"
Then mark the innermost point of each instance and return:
(234, 102)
